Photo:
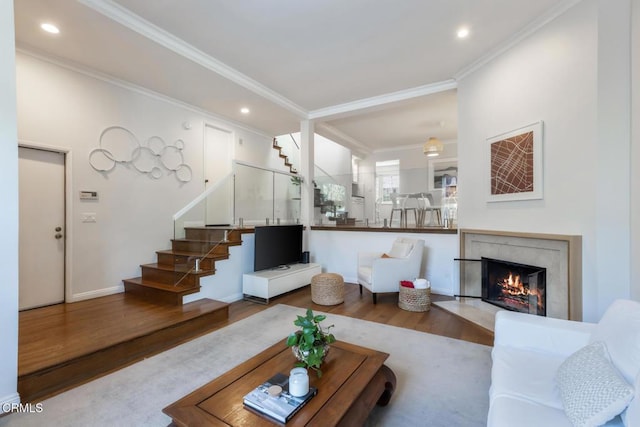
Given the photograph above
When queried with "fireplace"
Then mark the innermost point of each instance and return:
(513, 286)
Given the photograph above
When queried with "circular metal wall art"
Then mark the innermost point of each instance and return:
(101, 160)
(119, 142)
(120, 145)
(171, 157)
(156, 145)
(183, 173)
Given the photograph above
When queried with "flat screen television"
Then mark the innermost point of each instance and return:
(277, 245)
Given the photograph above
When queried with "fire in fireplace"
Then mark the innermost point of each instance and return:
(513, 286)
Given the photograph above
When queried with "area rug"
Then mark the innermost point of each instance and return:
(440, 381)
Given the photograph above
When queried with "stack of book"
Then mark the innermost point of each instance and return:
(272, 398)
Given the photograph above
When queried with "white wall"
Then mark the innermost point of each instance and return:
(63, 108)
(9, 211)
(332, 158)
(554, 76)
(337, 252)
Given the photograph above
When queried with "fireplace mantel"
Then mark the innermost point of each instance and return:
(560, 254)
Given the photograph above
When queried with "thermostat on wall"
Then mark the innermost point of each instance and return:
(88, 195)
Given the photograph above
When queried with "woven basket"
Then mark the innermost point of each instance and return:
(412, 299)
(327, 289)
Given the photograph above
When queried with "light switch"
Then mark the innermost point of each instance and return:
(88, 217)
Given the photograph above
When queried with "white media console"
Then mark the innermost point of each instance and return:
(265, 284)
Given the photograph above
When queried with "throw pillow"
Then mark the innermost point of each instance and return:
(631, 417)
(400, 250)
(619, 329)
(592, 390)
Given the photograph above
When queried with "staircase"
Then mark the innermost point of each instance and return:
(283, 156)
(173, 275)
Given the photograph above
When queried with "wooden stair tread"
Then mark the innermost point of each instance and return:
(284, 156)
(172, 277)
(220, 242)
(178, 269)
(193, 254)
(161, 286)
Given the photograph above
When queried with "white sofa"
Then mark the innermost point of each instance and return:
(532, 385)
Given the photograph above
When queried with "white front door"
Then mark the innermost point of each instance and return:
(42, 223)
(218, 153)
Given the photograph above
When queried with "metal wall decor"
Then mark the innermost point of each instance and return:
(118, 145)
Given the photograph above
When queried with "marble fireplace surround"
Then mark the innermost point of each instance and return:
(561, 255)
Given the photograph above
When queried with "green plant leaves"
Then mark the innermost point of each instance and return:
(292, 339)
(311, 340)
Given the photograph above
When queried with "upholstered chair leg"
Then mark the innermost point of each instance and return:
(375, 300)
(360, 289)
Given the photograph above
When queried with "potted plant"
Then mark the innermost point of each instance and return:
(310, 343)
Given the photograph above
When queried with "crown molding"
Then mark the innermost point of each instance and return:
(376, 101)
(92, 73)
(145, 28)
(412, 146)
(518, 37)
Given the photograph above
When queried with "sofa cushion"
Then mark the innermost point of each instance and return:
(508, 411)
(619, 329)
(525, 374)
(592, 389)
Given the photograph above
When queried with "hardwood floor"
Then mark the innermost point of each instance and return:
(65, 345)
(435, 321)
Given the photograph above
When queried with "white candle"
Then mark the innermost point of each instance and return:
(298, 382)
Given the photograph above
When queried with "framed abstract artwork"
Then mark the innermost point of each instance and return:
(515, 164)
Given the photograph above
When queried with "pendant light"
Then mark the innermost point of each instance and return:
(433, 147)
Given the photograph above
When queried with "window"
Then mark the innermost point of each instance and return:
(387, 179)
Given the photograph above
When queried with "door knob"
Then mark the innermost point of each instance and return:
(58, 228)
(58, 236)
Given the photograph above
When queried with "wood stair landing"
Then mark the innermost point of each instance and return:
(65, 345)
(173, 276)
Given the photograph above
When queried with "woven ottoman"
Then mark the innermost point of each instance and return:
(327, 289)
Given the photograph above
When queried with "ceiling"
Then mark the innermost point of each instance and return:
(372, 74)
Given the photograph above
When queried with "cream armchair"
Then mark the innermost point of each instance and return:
(383, 274)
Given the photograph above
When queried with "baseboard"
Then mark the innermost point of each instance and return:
(228, 299)
(7, 402)
(96, 294)
(441, 291)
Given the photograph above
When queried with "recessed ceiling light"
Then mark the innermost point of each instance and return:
(245, 110)
(50, 28)
(463, 32)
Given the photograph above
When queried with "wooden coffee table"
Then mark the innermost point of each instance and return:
(354, 380)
